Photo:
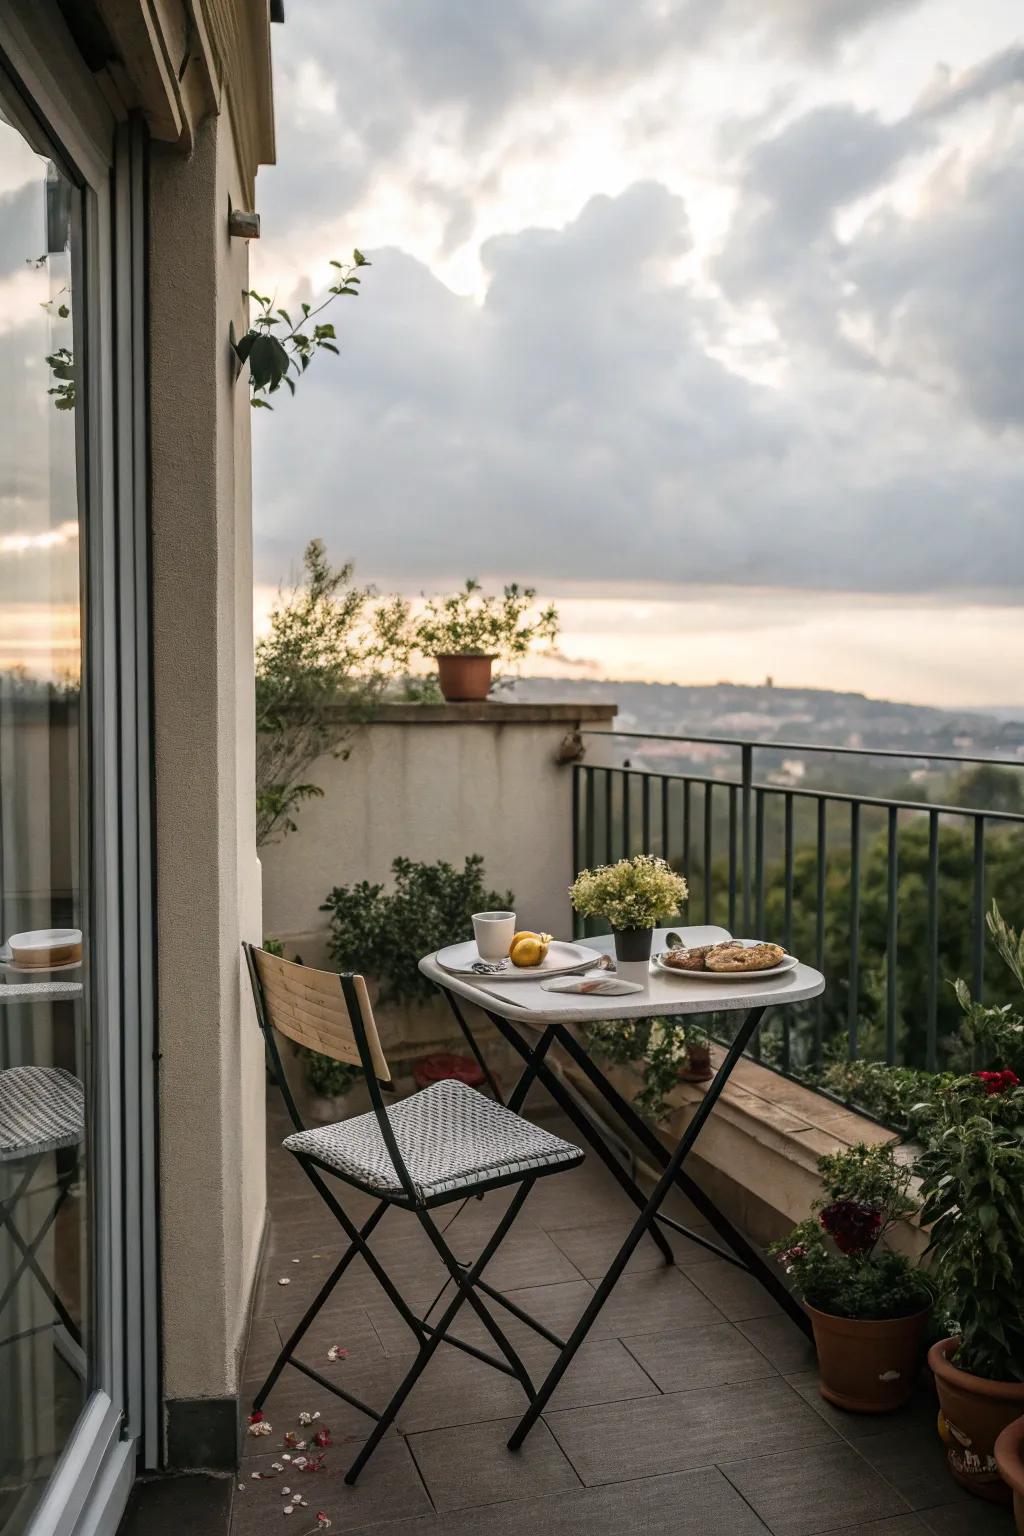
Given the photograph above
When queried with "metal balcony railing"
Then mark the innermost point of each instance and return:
(884, 893)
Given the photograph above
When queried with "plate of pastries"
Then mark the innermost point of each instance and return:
(730, 960)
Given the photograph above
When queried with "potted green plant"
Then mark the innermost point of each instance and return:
(633, 896)
(867, 1303)
(468, 632)
(696, 1066)
(972, 1180)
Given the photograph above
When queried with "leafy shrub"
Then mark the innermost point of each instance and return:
(329, 1077)
(972, 1181)
(384, 933)
(836, 1258)
(892, 1094)
(321, 668)
(996, 1034)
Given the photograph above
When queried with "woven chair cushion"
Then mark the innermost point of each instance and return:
(41, 1109)
(450, 1137)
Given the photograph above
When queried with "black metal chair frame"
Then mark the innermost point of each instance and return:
(651, 1220)
(466, 1278)
(29, 1247)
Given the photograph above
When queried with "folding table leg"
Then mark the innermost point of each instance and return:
(747, 1256)
(539, 1068)
(643, 1224)
(471, 1041)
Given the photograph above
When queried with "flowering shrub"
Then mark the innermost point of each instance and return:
(835, 1257)
(634, 893)
(997, 1082)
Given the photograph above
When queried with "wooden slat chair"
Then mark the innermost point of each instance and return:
(442, 1144)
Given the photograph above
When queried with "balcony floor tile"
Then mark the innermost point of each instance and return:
(692, 1410)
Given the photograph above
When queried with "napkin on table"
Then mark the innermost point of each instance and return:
(592, 986)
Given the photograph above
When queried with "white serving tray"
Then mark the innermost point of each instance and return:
(561, 958)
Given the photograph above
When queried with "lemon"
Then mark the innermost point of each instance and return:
(528, 949)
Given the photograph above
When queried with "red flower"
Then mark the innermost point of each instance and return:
(852, 1225)
(322, 1437)
(997, 1082)
(257, 1417)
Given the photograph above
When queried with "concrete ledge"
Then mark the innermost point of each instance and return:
(492, 712)
(758, 1153)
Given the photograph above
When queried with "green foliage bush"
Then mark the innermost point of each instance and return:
(330, 652)
(384, 933)
(1004, 881)
(890, 1094)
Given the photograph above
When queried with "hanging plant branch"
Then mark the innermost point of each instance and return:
(62, 366)
(61, 362)
(276, 347)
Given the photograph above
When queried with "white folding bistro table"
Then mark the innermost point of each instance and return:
(532, 1020)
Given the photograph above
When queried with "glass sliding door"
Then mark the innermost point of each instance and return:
(46, 1236)
(77, 1273)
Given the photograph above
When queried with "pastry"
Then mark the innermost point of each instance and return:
(683, 959)
(732, 956)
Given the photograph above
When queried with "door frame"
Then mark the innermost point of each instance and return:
(121, 1418)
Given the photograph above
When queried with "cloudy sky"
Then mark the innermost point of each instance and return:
(706, 317)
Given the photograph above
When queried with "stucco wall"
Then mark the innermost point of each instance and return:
(436, 784)
(211, 1073)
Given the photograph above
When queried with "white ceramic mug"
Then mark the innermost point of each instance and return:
(494, 932)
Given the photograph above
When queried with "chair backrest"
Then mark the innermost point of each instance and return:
(312, 1008)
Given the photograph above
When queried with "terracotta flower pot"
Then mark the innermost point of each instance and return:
(464, 679)
(1010, 1461)
(974, 1412)
(698, 1068)
(868, 1365)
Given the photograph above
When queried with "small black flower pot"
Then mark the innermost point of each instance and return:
(633, 943)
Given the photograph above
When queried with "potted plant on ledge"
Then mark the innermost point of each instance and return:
(633, 896)
(868, 1305)
(467, 633)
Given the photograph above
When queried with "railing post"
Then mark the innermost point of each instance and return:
(577, 785)
(746, 794)
(932, 1022)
